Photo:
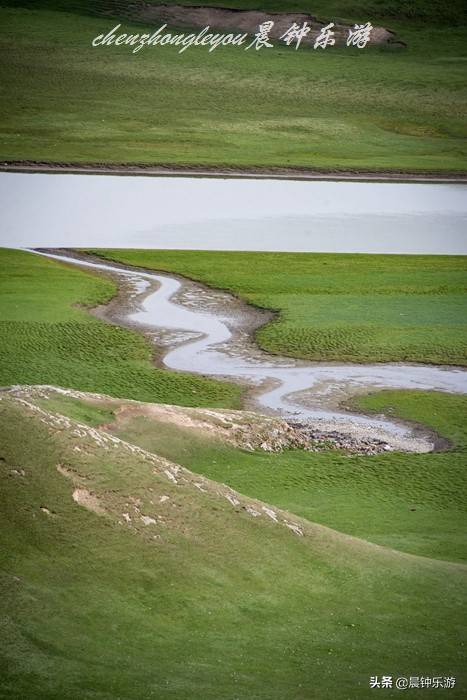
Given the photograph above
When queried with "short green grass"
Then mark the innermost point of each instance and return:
(79, 410)
(339, 109)
(220, 607)
(412, 502)
(338, 306)
(47, 337)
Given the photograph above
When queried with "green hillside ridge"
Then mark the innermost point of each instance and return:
(205, 602)
(357, 308)
(411, 502)
(378, 109)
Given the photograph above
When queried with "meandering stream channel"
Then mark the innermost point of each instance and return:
(208, 332)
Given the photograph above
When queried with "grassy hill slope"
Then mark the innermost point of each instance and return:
(411, 502)
(204, 600)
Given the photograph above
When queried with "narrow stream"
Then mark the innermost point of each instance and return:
(204, 336)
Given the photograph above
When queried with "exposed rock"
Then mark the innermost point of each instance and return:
(316, 440)
(88, 500)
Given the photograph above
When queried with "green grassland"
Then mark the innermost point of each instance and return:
(338, 307)
(218, 606)
(414, 503)
(211, 604)
(47, 337)
(375, 109)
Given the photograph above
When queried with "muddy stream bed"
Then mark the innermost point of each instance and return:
(210, 332)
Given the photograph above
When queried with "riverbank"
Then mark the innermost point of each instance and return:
(269, 173)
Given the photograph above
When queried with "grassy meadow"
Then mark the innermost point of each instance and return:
(208, 603)
(124, 576)
(339, 109)
(410, 502)
(48, 337)
(357, 308)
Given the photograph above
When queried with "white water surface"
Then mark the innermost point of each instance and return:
(92, 211)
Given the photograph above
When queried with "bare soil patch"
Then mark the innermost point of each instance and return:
(86, 499)
(248, 21)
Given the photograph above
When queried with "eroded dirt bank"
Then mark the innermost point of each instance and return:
(226, 172)
(248, 21)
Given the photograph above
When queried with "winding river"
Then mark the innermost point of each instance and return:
(205, 332)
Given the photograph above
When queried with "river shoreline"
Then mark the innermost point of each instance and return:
(226, 172)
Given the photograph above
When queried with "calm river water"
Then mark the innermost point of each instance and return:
(228, 214)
